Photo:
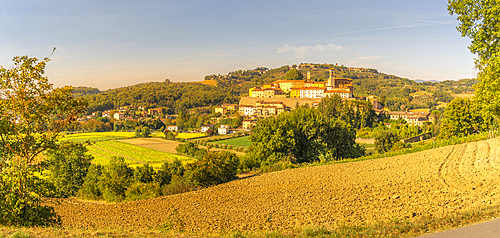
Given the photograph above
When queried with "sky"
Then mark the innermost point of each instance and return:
(109, 44)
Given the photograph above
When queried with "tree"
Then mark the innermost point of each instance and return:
(479, 21)
(385, 140)
(215, 168)
(462, 117)
(32, 114)
(67, 168)
(303, 135)
(294, 74)
(115, 179)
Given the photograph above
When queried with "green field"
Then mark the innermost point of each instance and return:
(181, 135)
(98, 136)
(240, 141)
(104, 150)
(105, 147)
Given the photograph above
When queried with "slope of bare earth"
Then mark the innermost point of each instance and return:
(434, 182)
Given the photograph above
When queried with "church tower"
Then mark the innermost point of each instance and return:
(331, 79)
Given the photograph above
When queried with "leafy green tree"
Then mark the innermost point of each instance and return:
(385, 140)
(32, 114)
(169, 135)
(144, 174)
(215, 168)
(67, 168)
(90, 187)
(163, 175)
(294, 74)
(462, 117)
(488, 90)
(190, 149)
(145, 132)
(479, 22)
(303, 135)
(115, 179)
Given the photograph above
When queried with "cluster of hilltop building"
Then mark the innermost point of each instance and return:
(282, 95)
(305, 88)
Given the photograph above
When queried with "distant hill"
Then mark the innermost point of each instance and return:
(85, 91)
(396, 92)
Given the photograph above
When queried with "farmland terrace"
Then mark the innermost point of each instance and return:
(434, 183)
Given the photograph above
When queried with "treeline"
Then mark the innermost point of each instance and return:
(79, 92)
(173, 96)
(309, 135)
(70, 173)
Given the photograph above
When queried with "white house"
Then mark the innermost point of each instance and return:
(173, 128)
(223, 129)
(205, 128)
(119, 116)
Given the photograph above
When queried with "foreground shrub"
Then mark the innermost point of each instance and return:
(138, 191)
(178, 185)
(215, 168)
(67, 168)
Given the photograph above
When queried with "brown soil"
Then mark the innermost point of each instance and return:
(159, 144)
(434, 182)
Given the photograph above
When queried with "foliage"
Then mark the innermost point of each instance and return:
(67, 168)
(462, 117)
(170, 135)
(488, 89)
(300, 136)
(90, 187)
(167, 95)
(385, 140)
(479, 22)
(142, 132)
(215, 168)
(164, 175)
(294, 74)
(144, 174)
(191, 149)
(358, 114)
(115, 179)
(32, 114)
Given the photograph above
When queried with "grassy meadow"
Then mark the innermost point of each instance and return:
(181, 135)
(240, 141)
(106, 145)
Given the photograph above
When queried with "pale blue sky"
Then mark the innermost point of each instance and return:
(109, 44)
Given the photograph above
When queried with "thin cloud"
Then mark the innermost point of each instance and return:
(302, 50)
(363, 59)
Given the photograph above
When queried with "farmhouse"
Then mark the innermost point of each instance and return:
(412, 118)
(119, 116)
(223, 130)
(173, 128)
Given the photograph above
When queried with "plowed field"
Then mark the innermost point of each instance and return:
(434, 182)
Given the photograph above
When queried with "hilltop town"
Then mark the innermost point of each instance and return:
(264, 100)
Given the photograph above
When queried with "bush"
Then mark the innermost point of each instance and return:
(114, 180)
(67, 168)
(247, 163)
(139, 191)
(90, 188)
(215, 168)
(385, 140)
(178, 185)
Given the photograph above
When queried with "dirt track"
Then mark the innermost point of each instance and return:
(434, 182)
